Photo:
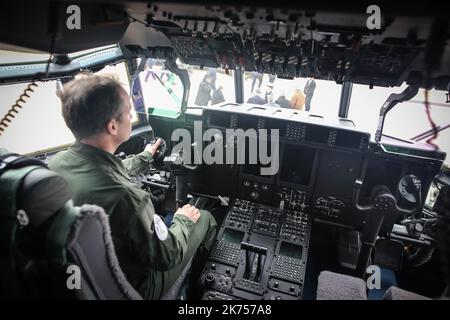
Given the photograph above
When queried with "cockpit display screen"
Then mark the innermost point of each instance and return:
(232, 236)
(317, 134)
(291, 250)
(252, 168)
(297, 165)
(348, 139)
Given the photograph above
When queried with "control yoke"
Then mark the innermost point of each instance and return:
(384, 208)
(409, 187)
(161, 151)
(180, 170)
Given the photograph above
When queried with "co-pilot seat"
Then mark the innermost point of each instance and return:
(335, 286)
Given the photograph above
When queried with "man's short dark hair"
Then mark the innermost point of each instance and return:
(89, 103)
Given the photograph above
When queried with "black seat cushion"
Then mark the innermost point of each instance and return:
(42, 194)
(90, 247)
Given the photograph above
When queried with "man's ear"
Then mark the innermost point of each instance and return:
(111, 127)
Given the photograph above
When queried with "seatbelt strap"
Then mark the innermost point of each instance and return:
(11, 220)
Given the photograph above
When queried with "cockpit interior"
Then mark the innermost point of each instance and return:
(314, 133)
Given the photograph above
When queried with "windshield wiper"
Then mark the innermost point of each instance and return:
(429, 133)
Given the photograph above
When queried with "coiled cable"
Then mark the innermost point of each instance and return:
(14, 110)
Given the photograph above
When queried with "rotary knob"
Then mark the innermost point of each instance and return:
(210, 279)
(254, 195)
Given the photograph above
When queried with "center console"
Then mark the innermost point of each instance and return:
(260, 253)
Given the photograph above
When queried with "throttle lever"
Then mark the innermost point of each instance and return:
(258, 252)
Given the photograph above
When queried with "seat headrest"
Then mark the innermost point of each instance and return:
(42, 194)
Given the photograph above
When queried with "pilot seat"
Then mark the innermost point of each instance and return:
(50, 249)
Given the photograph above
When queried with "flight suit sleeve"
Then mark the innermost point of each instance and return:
(158, 254)
(137, 163)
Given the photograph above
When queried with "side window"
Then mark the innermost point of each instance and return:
(39, 125)
(407, 120)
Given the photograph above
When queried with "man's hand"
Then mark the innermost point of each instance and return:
(153, 147)
(190, 212)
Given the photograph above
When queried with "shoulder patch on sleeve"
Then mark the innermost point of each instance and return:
(160, 228)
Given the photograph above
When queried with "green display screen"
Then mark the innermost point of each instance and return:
(232, 236)
(291, 250)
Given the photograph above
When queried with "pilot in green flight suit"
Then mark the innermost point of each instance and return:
(152, 256)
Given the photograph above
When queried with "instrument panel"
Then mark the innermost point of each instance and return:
(319, 162)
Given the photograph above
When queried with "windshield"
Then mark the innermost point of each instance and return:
(210, 86)
(157, 88)
(319, 97)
